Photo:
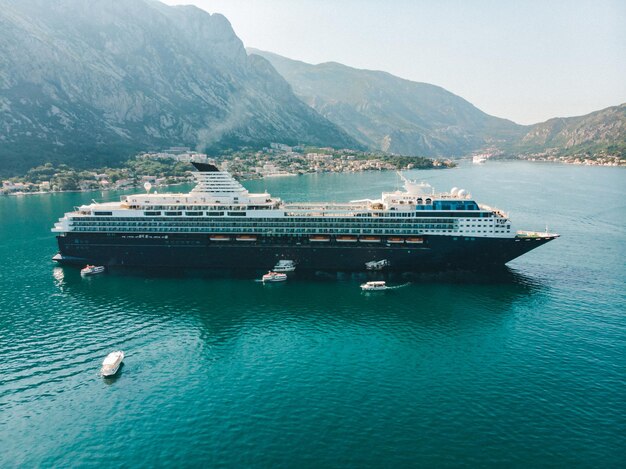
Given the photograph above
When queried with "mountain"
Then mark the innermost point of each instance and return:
(90, 82)
(601, 132)
(388, 113)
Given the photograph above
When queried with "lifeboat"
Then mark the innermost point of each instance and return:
(415, 240)
(247, 238)
(369, 239)
(319, 239)
(219, 238)
(346, 239)
(395, 240)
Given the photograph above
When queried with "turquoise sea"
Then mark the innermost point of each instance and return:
(526, 368)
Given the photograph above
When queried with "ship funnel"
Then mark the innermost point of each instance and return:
(205, 167)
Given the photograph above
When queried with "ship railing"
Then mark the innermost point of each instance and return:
(447, 195)
(261, 230)
(322, 206)
(495, 210)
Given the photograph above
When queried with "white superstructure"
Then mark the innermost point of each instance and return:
(220, 206)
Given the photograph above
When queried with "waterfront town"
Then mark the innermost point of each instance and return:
(552, 157)
(172, 166)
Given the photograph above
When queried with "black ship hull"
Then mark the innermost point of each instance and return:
(200, 251)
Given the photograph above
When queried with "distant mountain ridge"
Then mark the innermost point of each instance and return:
(392, 114)
(90, 82)
(598, 133)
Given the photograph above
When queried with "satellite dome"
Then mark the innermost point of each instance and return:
(454, 190)
(462, 193)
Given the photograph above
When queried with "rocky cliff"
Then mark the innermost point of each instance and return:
(89, 82)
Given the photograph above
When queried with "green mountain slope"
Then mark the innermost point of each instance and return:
(90, 82)
(388, 113)
(599, 133)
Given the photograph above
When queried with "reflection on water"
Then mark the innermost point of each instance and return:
(58, 273)
(219, 310)
(159, 289)
(498, 275)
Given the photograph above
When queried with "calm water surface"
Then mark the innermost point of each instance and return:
(527, 368)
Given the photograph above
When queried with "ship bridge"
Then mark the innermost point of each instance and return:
(422, 196)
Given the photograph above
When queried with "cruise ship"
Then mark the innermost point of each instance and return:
(220, 225)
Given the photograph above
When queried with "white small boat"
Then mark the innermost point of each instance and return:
(112, 363)
(479, 159)
(285, 265)
(92, 270)
(274, 277)
(377, 265)
(377, 285)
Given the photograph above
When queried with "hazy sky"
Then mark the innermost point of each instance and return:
(523, 60)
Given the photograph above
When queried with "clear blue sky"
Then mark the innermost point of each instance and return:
(523, 60)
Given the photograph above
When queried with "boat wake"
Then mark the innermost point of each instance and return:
(395, 287)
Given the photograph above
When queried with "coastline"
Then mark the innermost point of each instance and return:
(165, 169)
(582, 160)
(247, 175)
(240, 176)
(577, 162)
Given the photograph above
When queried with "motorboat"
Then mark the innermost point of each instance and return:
(479, 159)
(91, 270)
(378, 285)
(274, 277)
(377, 265)
(112, 363)
(285, 265)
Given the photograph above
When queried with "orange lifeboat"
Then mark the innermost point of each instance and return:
(369, 239)
(415, 240)
(319, 239)
(247, 238)
(346, 239)
(395, 240)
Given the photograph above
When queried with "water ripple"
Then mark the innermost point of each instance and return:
(523, 368)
